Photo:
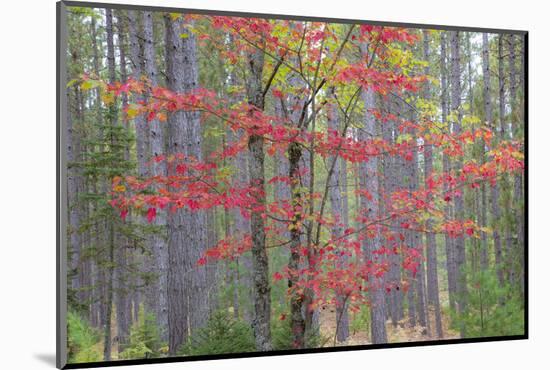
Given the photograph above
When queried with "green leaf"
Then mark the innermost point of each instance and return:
(72, 82)
(90, 84)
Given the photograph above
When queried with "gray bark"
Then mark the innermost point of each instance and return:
(417, 244)
(187, 282)
(142, 139)
(136, 57)
(212, 267)
(241, 224)
(391, 183)
(109, 268)
(97, 283)
(449, 244)
(517, 208)
(431, 246)
(156, 295)
(459, 198)
(495, 193)
(488, 119)
(122, 297)
(337, 206)
(260, 266)
(73, 186)
(518, 180)
(368, 181)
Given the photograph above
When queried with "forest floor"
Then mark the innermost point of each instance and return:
(402, 332)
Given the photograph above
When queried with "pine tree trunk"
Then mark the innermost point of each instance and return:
(517, 207)
(488, 109)
(109, 269)
(156, 296)
(336, 201)
(122, 294)
(449, 243)
(495, 193)
(459, 198)
(368, 181)
(431, 246)
(391, 183)
(96, 233)
(142, 141)
(187, 282)
(73, 188)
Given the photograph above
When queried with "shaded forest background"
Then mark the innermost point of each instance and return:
(357, 184)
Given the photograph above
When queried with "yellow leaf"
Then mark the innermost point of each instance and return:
(108, 98)
(120, 188)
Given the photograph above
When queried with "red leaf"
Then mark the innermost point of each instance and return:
(151, 214)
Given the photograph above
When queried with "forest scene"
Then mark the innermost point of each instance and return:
(240, 184)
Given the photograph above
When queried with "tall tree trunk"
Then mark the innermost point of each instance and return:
(122, 299)
(336, 201)
(368, 181)
(95, 270)
(459, 198)
(495, 193)
(109, 273)
(136, 57)
(416, 243)
(241, 224)
(449, 244)
(187, 282)
(156, 298)
(142, 139)
(488, 111)
(296, 297)
(260, 264)
(73, 188)
(518, 182)
(431, 246)
(517, 207)
(391, 183)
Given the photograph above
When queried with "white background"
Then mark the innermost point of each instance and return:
(27, 193)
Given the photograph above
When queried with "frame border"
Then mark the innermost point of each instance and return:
(61, 173)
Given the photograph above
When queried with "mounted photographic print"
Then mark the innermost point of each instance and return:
(234, 185)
